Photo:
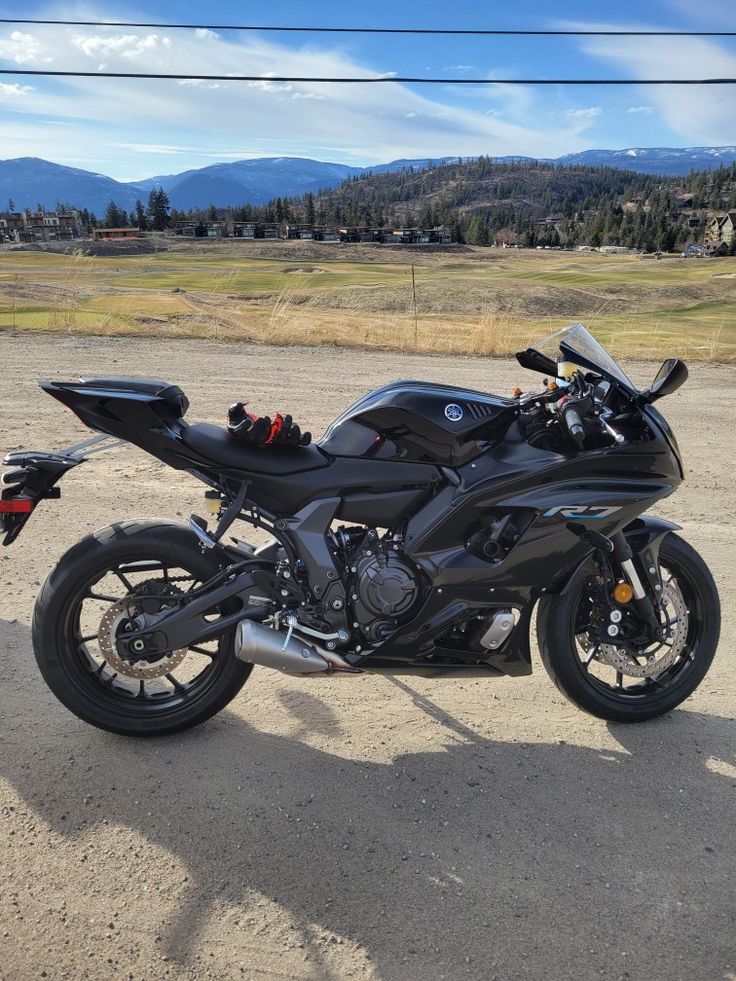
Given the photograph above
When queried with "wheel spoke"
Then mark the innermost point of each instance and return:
(619, 679)
(202, 650)
(87, 639)
(177, 684)
(141, 689)
(591, 654)
(91, 594)
(126, 582)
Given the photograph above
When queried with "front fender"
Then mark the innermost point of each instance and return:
(642, 534)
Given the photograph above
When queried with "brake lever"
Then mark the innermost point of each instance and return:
(613, 433)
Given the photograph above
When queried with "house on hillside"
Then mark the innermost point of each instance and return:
(720, 230)
(101, 234)
(324, 233)
(244, 229)
(39, 226)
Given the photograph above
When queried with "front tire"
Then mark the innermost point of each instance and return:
(103, 568)
(558, 633)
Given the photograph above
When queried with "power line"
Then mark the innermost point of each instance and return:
(372, 79)
(482, 32)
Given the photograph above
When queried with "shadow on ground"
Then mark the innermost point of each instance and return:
(475, 857)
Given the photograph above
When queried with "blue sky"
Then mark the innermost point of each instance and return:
(133, 129)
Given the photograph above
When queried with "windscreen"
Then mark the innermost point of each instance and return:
(580, 347)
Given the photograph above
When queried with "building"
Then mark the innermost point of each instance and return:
(244, 229)
(39, 226)
(104, 234)
(292, 230)
(287, 230)
(323, 233)
(720, 230)
(201, 229)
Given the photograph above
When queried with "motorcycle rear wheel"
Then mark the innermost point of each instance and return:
(77, 605)
(582, 675)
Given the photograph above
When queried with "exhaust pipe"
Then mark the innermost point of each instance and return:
(272, 649)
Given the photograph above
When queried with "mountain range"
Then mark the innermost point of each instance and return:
(29, 181)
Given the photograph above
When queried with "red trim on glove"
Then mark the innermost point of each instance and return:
(276, 426)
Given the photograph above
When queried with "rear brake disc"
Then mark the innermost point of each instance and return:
(142, 670)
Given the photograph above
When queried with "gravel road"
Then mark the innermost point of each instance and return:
(355, 828)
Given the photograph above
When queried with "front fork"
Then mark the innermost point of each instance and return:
(646, 606)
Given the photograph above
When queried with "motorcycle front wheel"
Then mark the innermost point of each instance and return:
(101, 582)
(626, 683)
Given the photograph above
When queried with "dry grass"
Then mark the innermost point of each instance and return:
(478, 303)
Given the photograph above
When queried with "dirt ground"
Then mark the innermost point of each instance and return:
(354, 828)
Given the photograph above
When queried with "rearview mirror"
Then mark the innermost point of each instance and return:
(668, 379)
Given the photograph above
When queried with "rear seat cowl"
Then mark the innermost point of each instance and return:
(171, 394)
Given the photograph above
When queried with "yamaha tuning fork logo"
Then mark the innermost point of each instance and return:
(454, 412)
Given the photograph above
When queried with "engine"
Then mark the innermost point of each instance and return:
(381, 581)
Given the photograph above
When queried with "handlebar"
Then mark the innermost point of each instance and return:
(574, 423)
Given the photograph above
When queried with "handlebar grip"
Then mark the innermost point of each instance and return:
(574, 424)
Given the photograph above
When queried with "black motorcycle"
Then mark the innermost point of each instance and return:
(415, 538)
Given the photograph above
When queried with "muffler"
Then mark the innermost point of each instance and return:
(272, 649)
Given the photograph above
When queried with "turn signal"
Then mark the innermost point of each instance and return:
(622, 592)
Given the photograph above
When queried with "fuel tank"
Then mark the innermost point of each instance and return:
(420, 421)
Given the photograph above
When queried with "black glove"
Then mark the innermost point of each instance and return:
(263, 430)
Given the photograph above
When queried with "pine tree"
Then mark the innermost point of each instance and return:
(158, 209)
(114, 217)
(140, 215)
(309, 209)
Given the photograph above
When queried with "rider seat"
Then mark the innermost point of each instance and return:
(215, 443)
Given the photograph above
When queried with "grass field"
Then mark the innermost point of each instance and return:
(475, 301)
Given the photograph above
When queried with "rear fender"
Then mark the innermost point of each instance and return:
(33, 477)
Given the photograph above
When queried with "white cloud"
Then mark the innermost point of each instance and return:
(14, 89)
(23, 49)
(700, 113)
(646, 110)
(124, 45)
(198, 83)
(590, 113)
(155, 148)
(353, 123)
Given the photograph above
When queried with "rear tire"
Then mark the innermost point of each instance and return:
(557, 644)
(76, 678)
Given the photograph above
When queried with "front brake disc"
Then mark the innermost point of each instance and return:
(669, 651)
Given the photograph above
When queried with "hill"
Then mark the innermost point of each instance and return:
(530, 203)
(30, 181)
